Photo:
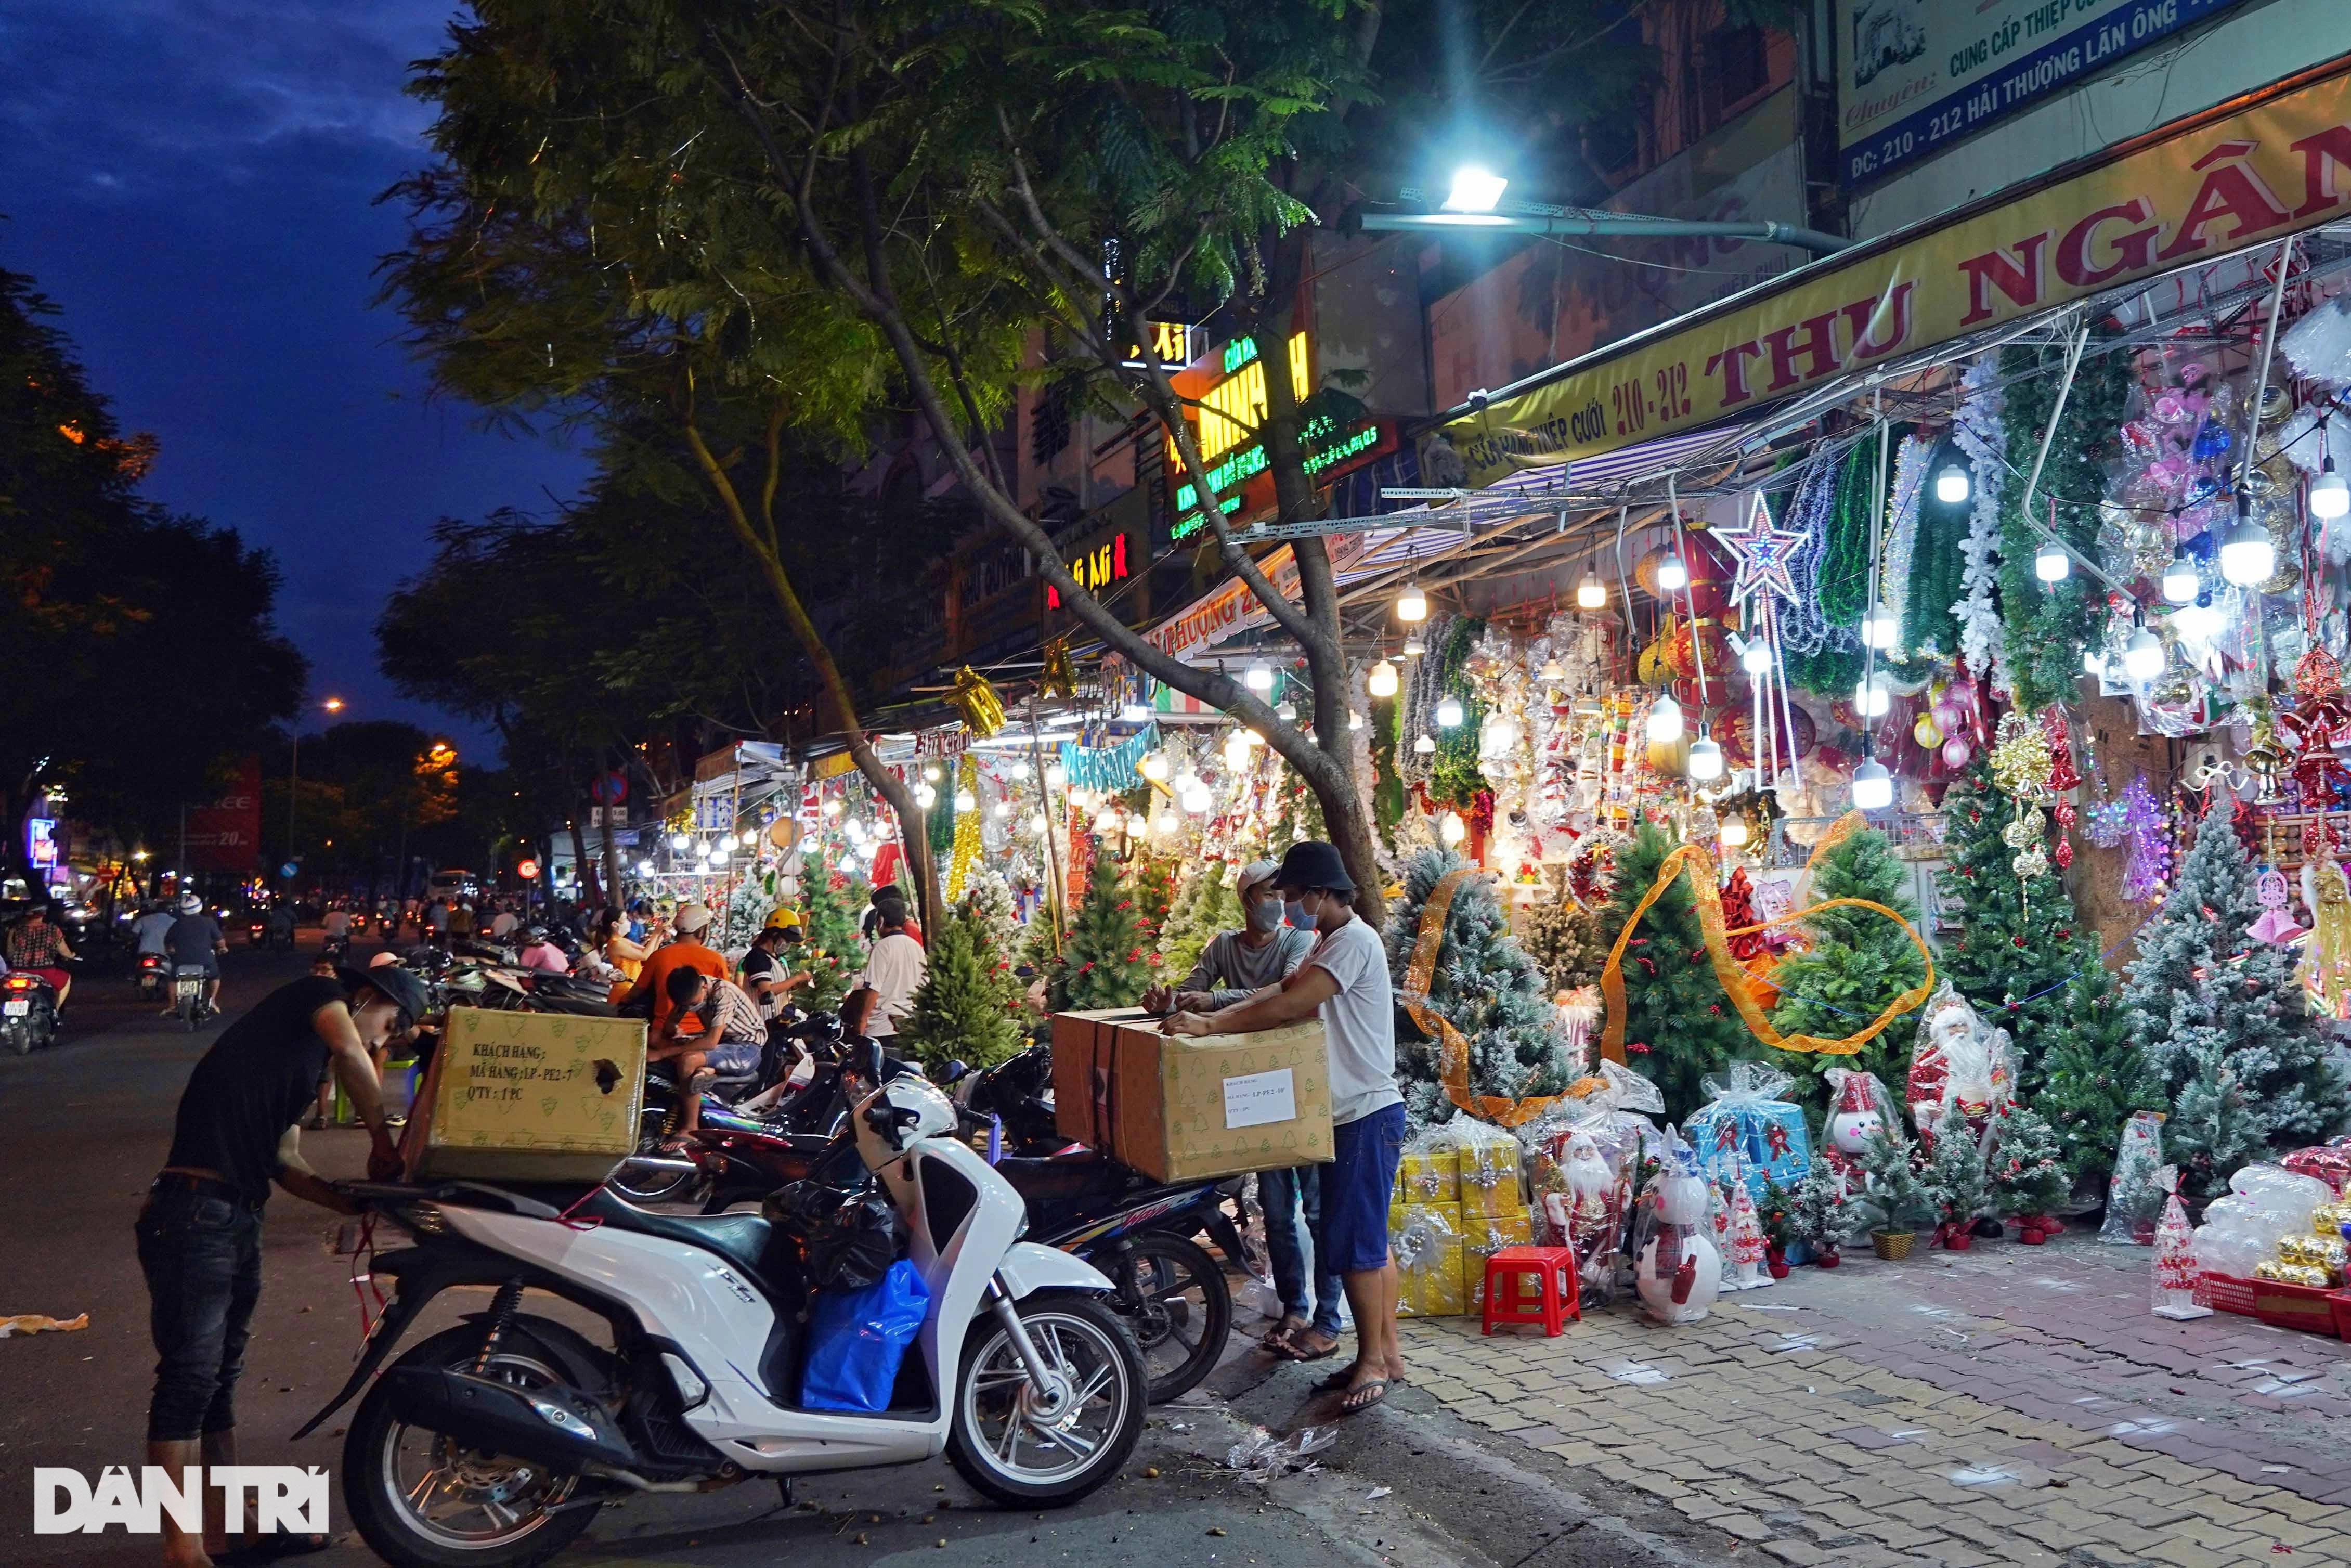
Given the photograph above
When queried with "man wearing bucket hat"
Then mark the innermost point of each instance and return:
(199, 1235)
(1345, 980)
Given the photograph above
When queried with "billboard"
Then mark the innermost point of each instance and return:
(1917, 75)
(225, 834)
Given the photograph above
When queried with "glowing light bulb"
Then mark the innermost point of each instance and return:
(1665, 720)
(1592, 593)
(1425, 746)
(1451, 829)
(964, 800)
(1413, 647)
(1756, 657)
(2201, 622)
(1448, 713)
(924, 796)
(1038, 822)
(1952, 484)
(1705, 759)
(1167, 823)
(1154, 768)
(1286, 711)
(856, 831)
(2143, 655)
(681, 840)
(832, 808)
(1734, 833)
(1056, 775)
(1879, 627)
(931, 772)
(1552, 671)
(1673, 572)
(2330, 497)
(1000, 811)
(2052, 564)
(1412, 604)
(1259, 676)
(1109, 824)
(644, 868)
(1237, 751)
(1873, 787)
(2247, 557)
(2180, 582)
(1871, 698)
(1382, 682)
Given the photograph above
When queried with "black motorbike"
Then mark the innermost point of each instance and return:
(29, 1013)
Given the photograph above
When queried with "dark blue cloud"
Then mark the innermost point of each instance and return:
(195, 183)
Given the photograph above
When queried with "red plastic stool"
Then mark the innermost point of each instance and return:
(1554, 1300)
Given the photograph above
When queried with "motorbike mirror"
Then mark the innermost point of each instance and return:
(954, 1072)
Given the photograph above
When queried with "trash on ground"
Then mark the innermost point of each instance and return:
(40, 1323)
(1262, 1455)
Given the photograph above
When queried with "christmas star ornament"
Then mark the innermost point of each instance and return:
(1764, 552)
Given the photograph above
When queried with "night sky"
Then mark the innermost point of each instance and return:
(193, 181)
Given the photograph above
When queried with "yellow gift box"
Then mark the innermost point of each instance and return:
(1482, 1237)
(1490, 1187)
(1429, 1175)
(1425, 1238)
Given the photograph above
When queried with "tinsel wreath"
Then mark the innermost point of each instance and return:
(967, 850)
(2047, 622)
(1980, 431)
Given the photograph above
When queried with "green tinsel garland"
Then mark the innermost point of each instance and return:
(1387, 786)
(1454, 778)
(2046, 623)
(1937, 568)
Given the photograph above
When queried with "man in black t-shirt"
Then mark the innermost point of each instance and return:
(200, 1232)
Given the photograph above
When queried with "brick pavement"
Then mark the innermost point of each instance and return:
(2008, 1405)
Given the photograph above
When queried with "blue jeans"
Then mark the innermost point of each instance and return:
(1288, 1234)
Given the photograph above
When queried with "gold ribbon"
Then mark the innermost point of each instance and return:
(1728, 969)
(1452, 1049)
(1057, 678)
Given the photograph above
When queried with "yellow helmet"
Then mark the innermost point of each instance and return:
(781, 916)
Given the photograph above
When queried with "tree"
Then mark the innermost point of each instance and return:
(990, 897)
(2030, 1173)
(2018, 945)
(1484, 984)
(2090, 1078)
(828, 916)
(1896, 1188)
(1858, 963)
(1152, 885)
(2222, 1025)
(1101, 964)
(1206, 905)
(1679, 1025)
(961, 1010)
(1561, 935)
(1955, 1173)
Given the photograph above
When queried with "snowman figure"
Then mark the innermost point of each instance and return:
(1679, 1270)
(1863, 1111)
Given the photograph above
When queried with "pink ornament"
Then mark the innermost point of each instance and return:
(1956, 753)
(1949, 716)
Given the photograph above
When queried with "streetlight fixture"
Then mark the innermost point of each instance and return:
(1475, 190)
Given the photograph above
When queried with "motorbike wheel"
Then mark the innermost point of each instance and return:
(1175, 1299)
(653, 1186)
(421, 1502)
(1028, 1450)
(20, 1036)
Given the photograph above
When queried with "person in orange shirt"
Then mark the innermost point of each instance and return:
(683, 951)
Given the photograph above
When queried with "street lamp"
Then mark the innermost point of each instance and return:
(294, 775)
(1475, 190)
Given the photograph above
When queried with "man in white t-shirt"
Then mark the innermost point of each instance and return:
(895, 969)
(1345, 980)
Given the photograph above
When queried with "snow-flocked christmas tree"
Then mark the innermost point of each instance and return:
(1857, 963)
(1679, 1027)
(1484, 984)
(987, 896)
(2029, 1173)
(1562, 934)
(2223, 1026)
(1955, 1173)
(1102, 958)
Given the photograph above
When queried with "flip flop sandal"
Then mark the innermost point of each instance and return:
(1364, 1396)
(1336, 1383)
(1325, 1354)
(273, 1546)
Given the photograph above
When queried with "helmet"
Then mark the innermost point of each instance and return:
(782, 916)
(191, 904)
(534, 932)
(924, 1110)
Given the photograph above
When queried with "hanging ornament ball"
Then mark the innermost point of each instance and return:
(1956, 753)
(1691, 641)
(1926, 732)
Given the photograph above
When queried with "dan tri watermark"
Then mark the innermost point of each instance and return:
(287, 1498)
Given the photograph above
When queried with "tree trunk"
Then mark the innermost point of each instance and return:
(579, 861)
(612, 854)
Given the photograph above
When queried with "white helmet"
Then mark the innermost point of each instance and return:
(191, 904)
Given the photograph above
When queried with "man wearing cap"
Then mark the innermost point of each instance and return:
(1233, 967)
(1345, 980)
(200, 1233)
(683, 951)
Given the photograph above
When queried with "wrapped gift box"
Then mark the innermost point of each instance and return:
(1425, 1238)
(1429, 1175)
(1486, 1235)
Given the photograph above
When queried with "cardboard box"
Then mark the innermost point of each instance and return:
(1184, 1107)
(528, 1097)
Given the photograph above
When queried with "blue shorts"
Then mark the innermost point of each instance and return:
(1356, 1188)
(728, 1058)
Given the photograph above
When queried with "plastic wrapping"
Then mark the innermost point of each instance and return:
(2264, 1204)
(1678, 1271)
(1860, 1108)
(1745, 1251)
(857, 1338)
(1482, 1236)
(2133, 1201)
(1584, 1158)
(1262, 1455)
(1747, 1124)
(1430, 1168)
(2330, 1163)
(1490, 1158)
(2176, 1269)
(1957, 1062)
(1425, 1238)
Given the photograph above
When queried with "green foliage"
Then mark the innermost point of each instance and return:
(2030, 1174)
(2089, 1078)
(1896, 1187)
(964, 1007)
(1206, 904)
(990, 897)
(1776, 1210)
(2047, 623)
(1563, 936)
(1679, 1027)
(2222, 1024)
(1453, 776)
(1484, 983)
(1388, 785)
(1955, 1178)
(2018, 946)
(1859, 962)
(1819, 1212)
(832, 953)
(1102, 962)
(1151, 883)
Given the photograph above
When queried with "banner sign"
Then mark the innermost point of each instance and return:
(1920, 75)
(2222, 185)
(226, 834)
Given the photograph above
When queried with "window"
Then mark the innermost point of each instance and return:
(1734, 69)
(1048, 424)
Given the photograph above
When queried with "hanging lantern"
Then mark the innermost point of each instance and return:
(1451, 829)
(978, 702)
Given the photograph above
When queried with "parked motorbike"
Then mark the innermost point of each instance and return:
(495, 1443)
(191, 1002)
(29, 1013)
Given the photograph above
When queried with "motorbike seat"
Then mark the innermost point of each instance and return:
(740, 1238)
(1055, 1183)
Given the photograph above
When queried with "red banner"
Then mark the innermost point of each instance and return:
(226, 834)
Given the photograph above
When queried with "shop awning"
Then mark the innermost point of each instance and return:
(2245, 173)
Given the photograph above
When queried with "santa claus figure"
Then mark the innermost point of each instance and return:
(1958, 1065)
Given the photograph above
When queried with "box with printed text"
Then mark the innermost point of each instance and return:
(528, 1096)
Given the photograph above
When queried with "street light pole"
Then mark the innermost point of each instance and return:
(294, 778)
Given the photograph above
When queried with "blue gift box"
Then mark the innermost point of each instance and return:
(1744, 1130)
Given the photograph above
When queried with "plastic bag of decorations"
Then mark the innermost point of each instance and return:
(1584, 1158)
(1746, 1131)
(1957, 1063)
(2263, 1204)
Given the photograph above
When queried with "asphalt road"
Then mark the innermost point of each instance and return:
(84, 1126)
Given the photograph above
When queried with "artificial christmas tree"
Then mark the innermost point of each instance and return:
(1901, 1198)
(1679, 1027)
(1955, 1179)
(2017, 944)
(1194, 922)
(963, 1009)
(1820, 1214)
(1561, 935)
(990, 897)
(2029, 1175)
(1859, 962)
(1101, 962)
(1151, 883)
(828, 918)
(2221, 1023)
(2089, 1079)
(1483, 984)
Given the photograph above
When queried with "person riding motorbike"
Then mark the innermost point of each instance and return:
(281, 925)
(196, 941)
(35, 945)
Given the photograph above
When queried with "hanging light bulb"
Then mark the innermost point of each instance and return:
(832, 808)
(1382, 682)
(1412, 604)
(2180, 582)
(1665, 720)
(1592, 593)
(1588, 706)
(644, 868)
(1236, 749)
(931, 772)
(1705, 757)
(1286, 711)
(1425, 746)
(1056, 775)
(1871, 698)
(1879, 628)
(1109, 823)
(925, 796)
(1951, 484)
(1673, 572)
(2330, 497)
(1021, 771)
(1552, 671)
(681, 840)
(1197, 798)
(1038, 822)
(1154, 768)
(1755, 657)
(1451, 829)
(856, 831)
(2201, 622)
(1448, 713)
(966, 801)
(1000, 811)
(1413, 647)
(1167, 823)
(1734, 833)
(2051, 563)
(1186, 781)
(2143, 655)
(2247, 557)
(1081, 797)
(1259, 676)
(1873, 787)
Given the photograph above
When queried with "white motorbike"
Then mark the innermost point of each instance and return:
(493, 1443)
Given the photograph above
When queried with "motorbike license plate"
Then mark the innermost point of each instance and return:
(17, 1009)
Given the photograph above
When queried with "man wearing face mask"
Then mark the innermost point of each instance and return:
(1345, 980)
(1233, 967)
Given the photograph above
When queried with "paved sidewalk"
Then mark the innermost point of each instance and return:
(2007, 1404)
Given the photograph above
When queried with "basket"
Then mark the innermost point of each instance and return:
(1892, 1245)
(2225, 1293)
(2341, 1302)
(2305, 1307)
